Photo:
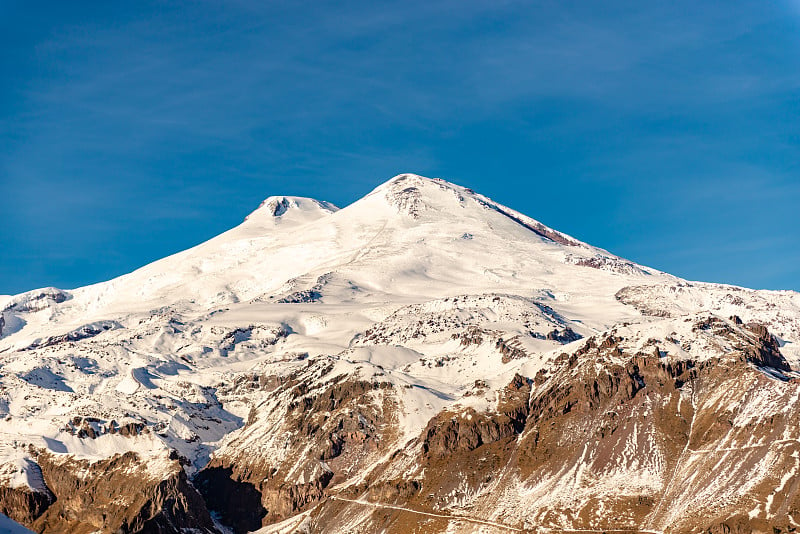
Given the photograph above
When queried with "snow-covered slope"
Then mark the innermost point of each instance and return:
(289, 360)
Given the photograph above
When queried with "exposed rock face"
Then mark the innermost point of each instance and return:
(24, 505)
(765, 352)
(511, 349)
(462, 318)
(567, 335)
(326, 433)
(33, 301)
(312, 294)
(534, 226)
(122, 494)
(93, 428)
(84, 332)
(606, 263)
(452, 433)
(403, 192)
(276, 207)
(603, 429)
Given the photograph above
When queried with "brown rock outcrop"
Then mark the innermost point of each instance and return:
(122, 494)
(607, 440)
(765, 352)
(330, 431)
(24, 505)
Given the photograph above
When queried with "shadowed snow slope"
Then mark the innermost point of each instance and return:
(421, 354)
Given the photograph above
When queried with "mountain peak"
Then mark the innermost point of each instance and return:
(412, 194)
(411, 180)
(406, 177)
(278, 207)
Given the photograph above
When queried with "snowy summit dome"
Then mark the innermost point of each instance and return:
(297, 207)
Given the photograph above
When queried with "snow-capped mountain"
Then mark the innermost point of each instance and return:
(423, 359)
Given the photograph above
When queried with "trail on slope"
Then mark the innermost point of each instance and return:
(486, 522)
(430, 514)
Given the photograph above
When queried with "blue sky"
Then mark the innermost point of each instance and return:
(666, 132)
